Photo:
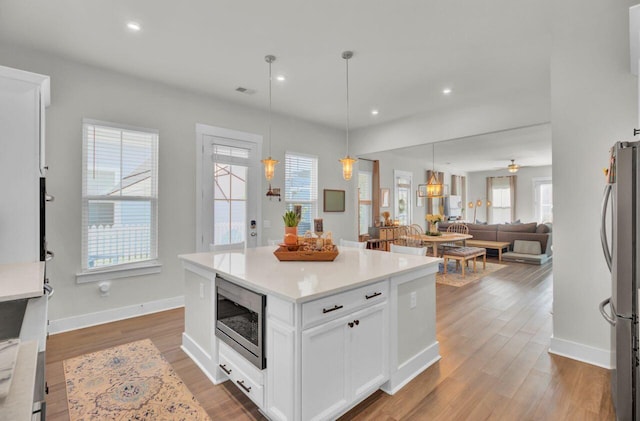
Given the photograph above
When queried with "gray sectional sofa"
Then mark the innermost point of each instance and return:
(510, 232)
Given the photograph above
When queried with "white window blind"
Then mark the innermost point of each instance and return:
(119, 195)
(501, 200)
(301, 187)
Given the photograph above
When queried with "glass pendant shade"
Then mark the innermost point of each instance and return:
(434, 188)
(269, 167)
(347, 167)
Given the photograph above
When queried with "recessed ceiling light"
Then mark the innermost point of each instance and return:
(446, 91)
(375, 112)
(134, 26)
(280, 78)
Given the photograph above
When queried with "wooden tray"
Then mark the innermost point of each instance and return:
(287, 253)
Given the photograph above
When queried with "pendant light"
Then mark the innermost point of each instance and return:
(269, 163)
(434, 187)
(513, 167)
(347, 161)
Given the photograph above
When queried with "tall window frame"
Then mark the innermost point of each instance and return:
(301, 186)
(365, 201)
(119, 201)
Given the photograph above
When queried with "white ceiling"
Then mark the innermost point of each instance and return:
(406, 51)
(528, 146)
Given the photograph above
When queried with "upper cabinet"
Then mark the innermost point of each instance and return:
(23, 99)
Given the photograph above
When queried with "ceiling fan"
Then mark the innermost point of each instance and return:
(513, 167)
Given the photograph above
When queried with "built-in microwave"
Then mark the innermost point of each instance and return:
(240, 317)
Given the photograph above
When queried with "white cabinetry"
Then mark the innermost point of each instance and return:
(343, 361)
(23, 97)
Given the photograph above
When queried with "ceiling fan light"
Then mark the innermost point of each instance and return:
(513, 167)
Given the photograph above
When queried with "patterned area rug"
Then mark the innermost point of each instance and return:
(454, 278)
(128, 382)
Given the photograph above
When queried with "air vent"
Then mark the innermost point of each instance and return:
(246, 91)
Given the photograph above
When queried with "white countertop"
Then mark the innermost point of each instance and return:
(260, 270)
(21, 280)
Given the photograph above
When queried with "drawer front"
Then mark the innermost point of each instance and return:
(330, 308)
(242, 381)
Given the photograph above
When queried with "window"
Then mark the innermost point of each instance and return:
(301, 187)
(403, 205)
(500, 200)
(365, 181)
(543, 199)
(119, 196)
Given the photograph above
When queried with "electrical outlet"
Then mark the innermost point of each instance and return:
(201, 290)
(414, 300)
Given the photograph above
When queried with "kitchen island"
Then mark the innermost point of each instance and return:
(334, 332)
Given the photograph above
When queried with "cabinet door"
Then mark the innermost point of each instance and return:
(369, 343)
(324, 367)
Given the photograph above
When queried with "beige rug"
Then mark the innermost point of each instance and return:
(455, 278)
(128, 382)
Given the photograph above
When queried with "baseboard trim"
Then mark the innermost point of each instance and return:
(201, 358)
(113, 315)
(408, 370)
(580, 352)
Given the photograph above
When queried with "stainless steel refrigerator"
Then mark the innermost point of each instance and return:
(620, 234)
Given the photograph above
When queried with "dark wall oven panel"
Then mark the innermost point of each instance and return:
(240, 316)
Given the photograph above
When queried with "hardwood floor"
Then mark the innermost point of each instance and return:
(493, 334)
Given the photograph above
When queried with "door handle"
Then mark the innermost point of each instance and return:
(603, 226)
(608, 317)
(253, 234)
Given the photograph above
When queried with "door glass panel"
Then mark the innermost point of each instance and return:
(230, 204)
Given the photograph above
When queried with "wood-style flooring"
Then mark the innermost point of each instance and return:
(493, 334)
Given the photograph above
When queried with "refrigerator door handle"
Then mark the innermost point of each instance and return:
(603, 226)
(608, 317)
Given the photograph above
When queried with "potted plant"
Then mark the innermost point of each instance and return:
(291, 220)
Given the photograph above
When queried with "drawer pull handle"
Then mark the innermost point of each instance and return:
(241, 383)
(357, 322)
(224, 368)
(350, 324)
(375, 294)
(329, 310)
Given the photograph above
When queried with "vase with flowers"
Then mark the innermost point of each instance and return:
(291, 220)
(433, 220)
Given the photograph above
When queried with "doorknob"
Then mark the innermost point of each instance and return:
(253, 234)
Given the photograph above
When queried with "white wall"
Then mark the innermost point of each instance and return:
(525, 194)
(82, 91)
(594, 104)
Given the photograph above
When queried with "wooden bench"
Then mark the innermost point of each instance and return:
(494, 245)
(462, 255)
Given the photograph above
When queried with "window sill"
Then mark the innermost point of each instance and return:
(125, 271)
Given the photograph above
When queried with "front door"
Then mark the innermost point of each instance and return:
(229, 184)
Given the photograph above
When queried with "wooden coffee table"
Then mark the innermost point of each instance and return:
(495, 245)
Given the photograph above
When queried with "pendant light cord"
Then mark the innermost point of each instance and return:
(270, 117)
(347, 60)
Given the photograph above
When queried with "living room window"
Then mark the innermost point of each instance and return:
(119, 196)
(301, 187)
(501, 194)
(365, 182)
(543, 190)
